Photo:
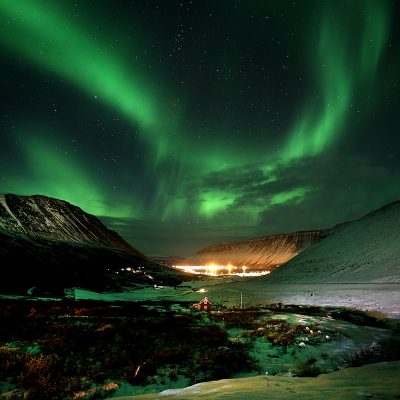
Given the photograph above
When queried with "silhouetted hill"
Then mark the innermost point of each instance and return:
(51, 245)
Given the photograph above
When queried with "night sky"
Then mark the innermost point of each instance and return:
(182, 123)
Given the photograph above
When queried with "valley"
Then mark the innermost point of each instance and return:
(88, 316)
(199, 200)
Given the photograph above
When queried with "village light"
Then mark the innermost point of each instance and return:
(214, 270)
(230, 269)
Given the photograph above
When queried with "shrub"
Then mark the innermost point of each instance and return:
(387, 349)
(173, 375)
(210, 335)
(281, 338)
(278, 332)
(82, 344)
(225, 361)
(11, 361)
(42, 375)
(237, 319)
(82, 312)
(361, 318)
(171, 355)
(307, 368)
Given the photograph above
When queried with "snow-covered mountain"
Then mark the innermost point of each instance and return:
(51, 245)
(366, 250)
(49, 218)
(264, 253)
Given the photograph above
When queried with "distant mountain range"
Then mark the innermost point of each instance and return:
(366, 250)
(51, 244)
(265, 253)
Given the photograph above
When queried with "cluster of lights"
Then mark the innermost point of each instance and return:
(214, 270)
(128, 269)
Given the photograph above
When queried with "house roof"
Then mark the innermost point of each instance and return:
(205, 300)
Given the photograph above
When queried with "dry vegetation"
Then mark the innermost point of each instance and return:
(85, 349)
(58, 351)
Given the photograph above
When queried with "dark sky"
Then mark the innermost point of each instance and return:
(182, 123)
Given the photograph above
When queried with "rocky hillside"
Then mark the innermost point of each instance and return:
(48, 218)
(51, 245)
(262, 253)
(365, 250)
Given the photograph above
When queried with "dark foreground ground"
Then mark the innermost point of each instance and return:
(91, 349)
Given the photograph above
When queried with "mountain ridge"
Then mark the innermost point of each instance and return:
(49, 218)
(266, 252)
(365, 250)
(51, 244)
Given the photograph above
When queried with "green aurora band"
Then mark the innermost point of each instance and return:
(51, 172)
(341, 72)
(42, 32)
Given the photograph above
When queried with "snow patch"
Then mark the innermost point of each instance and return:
(3, 202)
(198, 388)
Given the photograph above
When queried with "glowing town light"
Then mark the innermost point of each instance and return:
(230, 266)
(213, 269)
(219, 270)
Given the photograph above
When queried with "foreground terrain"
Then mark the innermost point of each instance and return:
(382, 297)
(378, 381)
(91, 349)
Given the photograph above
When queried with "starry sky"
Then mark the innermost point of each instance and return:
(183, 123)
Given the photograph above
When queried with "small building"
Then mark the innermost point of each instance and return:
(204, 305)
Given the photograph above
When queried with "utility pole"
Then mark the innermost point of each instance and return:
(241, 299)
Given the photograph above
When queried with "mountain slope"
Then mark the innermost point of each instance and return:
(51, 245)
(48, 218)
(365, 250)
(262, 253)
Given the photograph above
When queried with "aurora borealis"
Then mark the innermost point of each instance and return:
(181, 123)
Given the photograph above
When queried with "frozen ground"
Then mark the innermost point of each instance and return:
(378, 297)
(371, 381)
(373, 297)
